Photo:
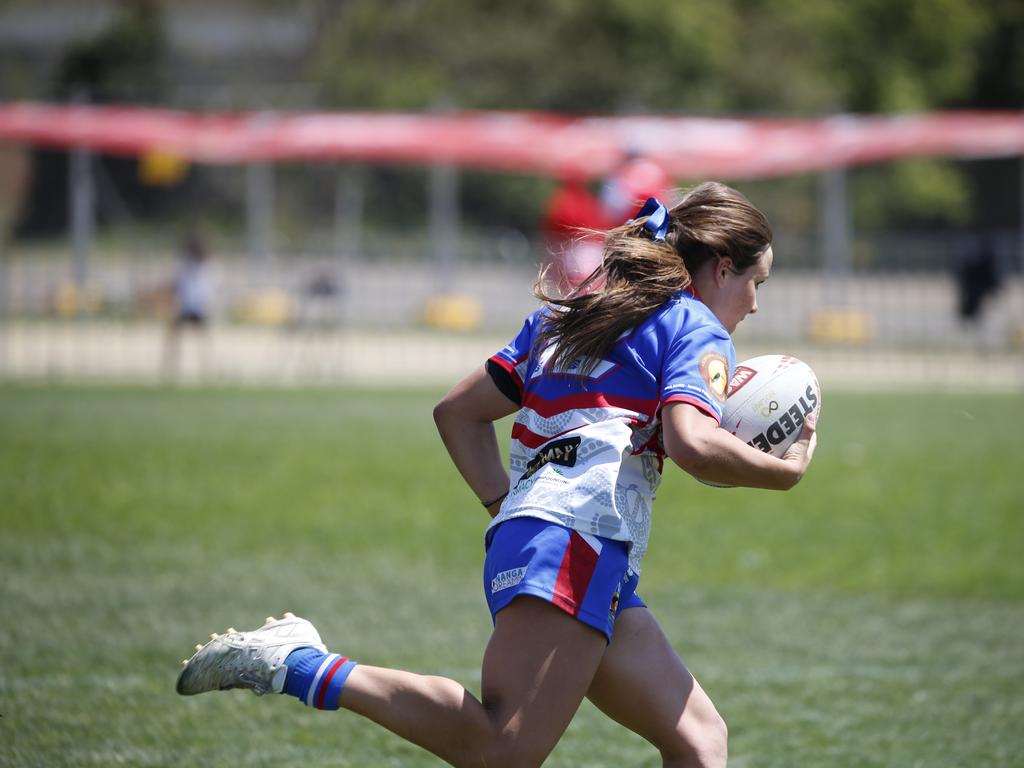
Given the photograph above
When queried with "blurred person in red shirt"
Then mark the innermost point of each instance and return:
(630, 184)
(573, 225)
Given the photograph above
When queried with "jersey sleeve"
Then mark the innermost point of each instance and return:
(696, 369)
(507, 367)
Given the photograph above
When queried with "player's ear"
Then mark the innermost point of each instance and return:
(723, 266)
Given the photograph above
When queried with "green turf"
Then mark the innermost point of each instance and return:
(871, 617)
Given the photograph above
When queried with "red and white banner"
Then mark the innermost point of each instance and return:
(521, 142)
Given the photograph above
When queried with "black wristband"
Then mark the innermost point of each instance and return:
(495, 500)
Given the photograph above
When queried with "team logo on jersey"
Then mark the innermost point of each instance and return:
(561, 452)
(715, 370)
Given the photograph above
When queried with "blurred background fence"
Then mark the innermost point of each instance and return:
(390, 312)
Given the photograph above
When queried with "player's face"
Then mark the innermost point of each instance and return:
(735, 296)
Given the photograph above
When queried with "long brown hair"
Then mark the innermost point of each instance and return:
(638, 274)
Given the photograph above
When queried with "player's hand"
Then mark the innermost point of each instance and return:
(800, 453)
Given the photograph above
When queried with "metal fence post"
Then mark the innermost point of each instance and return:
(834, 224)
(82, 195)
(444, 221)
(1020, 221)
(349, 206)
(259, 209)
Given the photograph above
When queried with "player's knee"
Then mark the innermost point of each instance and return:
(716, 745)
(703, 746)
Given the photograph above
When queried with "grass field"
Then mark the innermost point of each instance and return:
(872, 617)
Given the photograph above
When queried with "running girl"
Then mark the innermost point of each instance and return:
(608, 382)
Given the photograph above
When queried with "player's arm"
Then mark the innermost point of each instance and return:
(696, 442)
(465, 419)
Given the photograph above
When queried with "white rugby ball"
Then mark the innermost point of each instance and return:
(768, 399)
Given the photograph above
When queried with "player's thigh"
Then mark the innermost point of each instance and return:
(537, 668)
(644, 685)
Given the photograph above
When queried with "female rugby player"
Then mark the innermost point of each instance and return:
(607, 382)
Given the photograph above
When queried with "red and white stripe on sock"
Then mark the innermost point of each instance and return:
(317, 678)
(325, 690)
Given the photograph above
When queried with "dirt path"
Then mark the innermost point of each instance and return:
(243, 355)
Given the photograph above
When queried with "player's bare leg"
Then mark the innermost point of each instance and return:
(644, 685)
(537, 668)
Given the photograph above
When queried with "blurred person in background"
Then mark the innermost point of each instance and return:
(979, 275)
(634, 180)
(572, 225)
(193, 295)
(605, 385)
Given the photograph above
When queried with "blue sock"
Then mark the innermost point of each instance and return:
(316, 678)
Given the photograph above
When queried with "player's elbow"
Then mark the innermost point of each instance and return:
(446, 415)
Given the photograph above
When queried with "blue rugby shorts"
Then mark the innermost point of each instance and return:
(584, 575)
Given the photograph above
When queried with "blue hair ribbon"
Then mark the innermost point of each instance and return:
(657, 218)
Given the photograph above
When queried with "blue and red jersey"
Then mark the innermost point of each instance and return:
(586, 449)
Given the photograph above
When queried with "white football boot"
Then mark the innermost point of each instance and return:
(253, 660)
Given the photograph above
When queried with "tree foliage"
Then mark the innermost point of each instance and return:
(709, 57)
(121, 64)
(702, 56)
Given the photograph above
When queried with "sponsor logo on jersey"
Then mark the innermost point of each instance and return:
(560, 452)
(740, 377)
(788, 422)
(507, 579)
(715, 370)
